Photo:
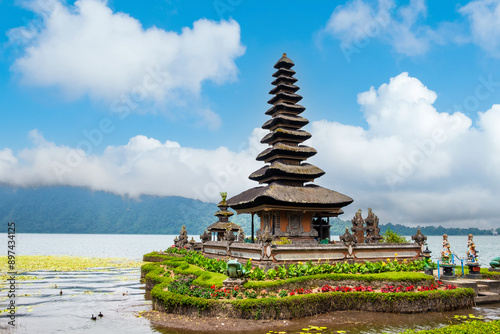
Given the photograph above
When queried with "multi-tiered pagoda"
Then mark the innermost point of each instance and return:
(223, 229)
(288, 204)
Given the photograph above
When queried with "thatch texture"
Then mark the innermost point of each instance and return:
(289, 195)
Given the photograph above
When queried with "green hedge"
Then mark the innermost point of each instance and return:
(399, 277)
(203, 278)
(156, 257)
(299, 306)
(469, 327)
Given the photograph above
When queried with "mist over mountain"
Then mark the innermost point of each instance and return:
(80, 210)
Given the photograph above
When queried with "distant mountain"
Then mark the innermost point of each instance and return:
(79, 210)
(435, 230)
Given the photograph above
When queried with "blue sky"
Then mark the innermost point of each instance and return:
(167, 98)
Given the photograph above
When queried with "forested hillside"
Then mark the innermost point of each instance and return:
(78, 210)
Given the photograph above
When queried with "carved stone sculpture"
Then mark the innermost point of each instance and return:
(357, 227)
(348, 238)
(183, 238)
(372, 230)
(229, 235)
(205, 236)
(419, 238)
(241, 236)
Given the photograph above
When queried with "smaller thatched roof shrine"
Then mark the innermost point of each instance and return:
(219, 229)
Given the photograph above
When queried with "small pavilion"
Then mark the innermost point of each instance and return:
(218, 231)
(287, 202)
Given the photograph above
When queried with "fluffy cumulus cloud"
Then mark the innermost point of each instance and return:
(411, 163)
(87, 49)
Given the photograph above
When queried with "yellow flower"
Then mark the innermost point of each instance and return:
(300, 263)
(395, 254)
(388, 260)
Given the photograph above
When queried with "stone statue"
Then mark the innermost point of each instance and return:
(266, 237)
(205, 236)
(347, 238)
(183, 238)
(446, 251)
(229, 235)
(357, 227)
(241, 236)
(372, 229)
(419, 238)
(471, 250)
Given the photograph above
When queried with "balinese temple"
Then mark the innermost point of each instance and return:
(287, 202)
(220, 228)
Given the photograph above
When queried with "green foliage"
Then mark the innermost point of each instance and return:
(307, 304)
(282, 241)
(271, 274)
(390, 236)
(469, 327)
(411, 277)
(203, 278)
(257, 274)
(490, 274)
(283, 293)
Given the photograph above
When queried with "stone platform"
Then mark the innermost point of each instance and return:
(269, 256)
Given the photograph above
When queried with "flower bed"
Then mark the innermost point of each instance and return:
(298, 269)
(185, 286)
(202, 294)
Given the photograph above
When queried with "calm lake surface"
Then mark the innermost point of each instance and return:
(118, 294)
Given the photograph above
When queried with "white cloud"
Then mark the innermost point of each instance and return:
(358, 21)
(404, 27)
(86, 49)
(142, 166)
(484, 18)
(412, 163)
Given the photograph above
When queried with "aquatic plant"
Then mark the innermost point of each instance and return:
(30, 263)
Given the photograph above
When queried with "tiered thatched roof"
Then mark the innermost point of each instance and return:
(286, 171)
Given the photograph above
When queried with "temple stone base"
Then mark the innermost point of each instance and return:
(497, 270)
(448, 271)
(232, 283)
(474, 270)
(267, 256)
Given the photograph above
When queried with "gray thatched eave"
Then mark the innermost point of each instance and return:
(308, 195)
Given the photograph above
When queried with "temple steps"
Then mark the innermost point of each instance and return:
(487, 291)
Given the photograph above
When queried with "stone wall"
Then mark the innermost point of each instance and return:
(268, 255)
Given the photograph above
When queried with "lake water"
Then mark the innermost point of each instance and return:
(118, 294)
